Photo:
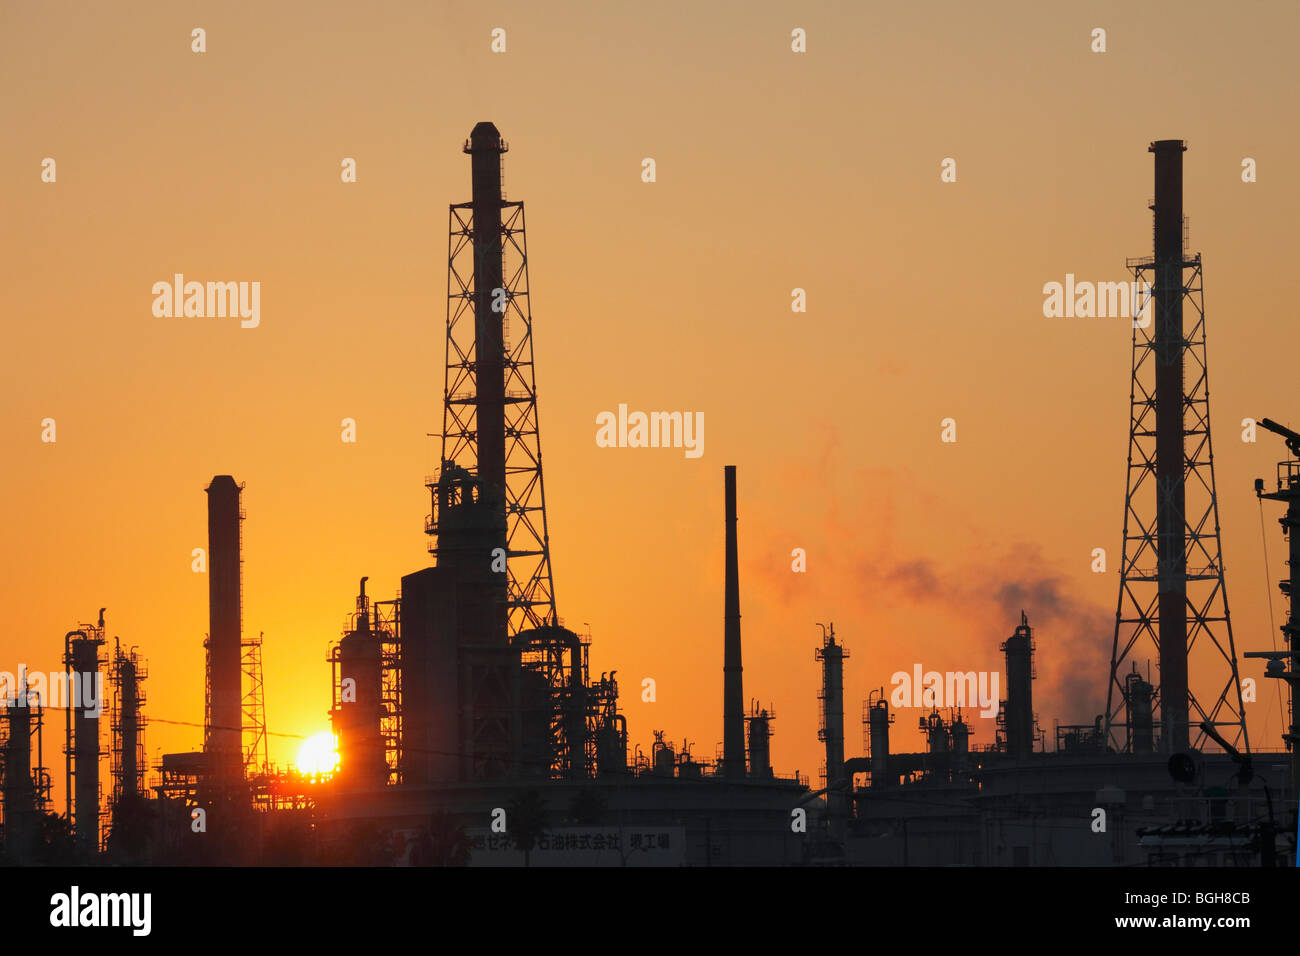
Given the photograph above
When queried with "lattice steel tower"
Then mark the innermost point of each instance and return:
(490, 438)
(253, 707)
(1172, 598)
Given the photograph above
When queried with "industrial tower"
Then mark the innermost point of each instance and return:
(1017, 725)
(127, 724)
(831, 701)
(82, 709)
(1284, 665)
(489, 535)
(489, 427)
(1172, 599)
(223, 731)
(831, 733)
(25, 793)
(733, 687)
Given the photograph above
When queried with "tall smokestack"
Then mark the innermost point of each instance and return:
(1170, 455)
(733, 692)
(486, 148)
(225, 614)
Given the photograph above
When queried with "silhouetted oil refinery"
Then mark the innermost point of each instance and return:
(470, 730)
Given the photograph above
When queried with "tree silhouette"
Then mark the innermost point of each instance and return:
(441, 842)
(588, 807)
(289, 842)
(372, 845)
(364, 843)
(133, 822)
(54, 846)
(526, 821)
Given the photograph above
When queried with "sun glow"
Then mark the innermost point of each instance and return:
(318, 756)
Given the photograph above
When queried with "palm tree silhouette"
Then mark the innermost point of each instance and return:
(526, 821)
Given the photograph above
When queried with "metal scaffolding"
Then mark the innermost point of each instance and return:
(127, 722)
(382, 622)
(253, 707)
(1197, 560)
(82, 663)
(25, 794)
(531, 591)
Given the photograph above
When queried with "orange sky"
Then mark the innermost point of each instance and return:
(775, 171)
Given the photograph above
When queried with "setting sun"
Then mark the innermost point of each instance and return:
(318, 755)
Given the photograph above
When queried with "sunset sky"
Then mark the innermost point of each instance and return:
(775, 171)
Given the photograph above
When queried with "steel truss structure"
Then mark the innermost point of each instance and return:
(253, 707)
(1198, 559)
(127, 762)
(531, 592)
(532, 623)
(386, 623)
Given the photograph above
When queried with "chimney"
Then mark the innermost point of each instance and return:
(733, 693)
(486, 147)
(224, 741)
(1171, 525)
